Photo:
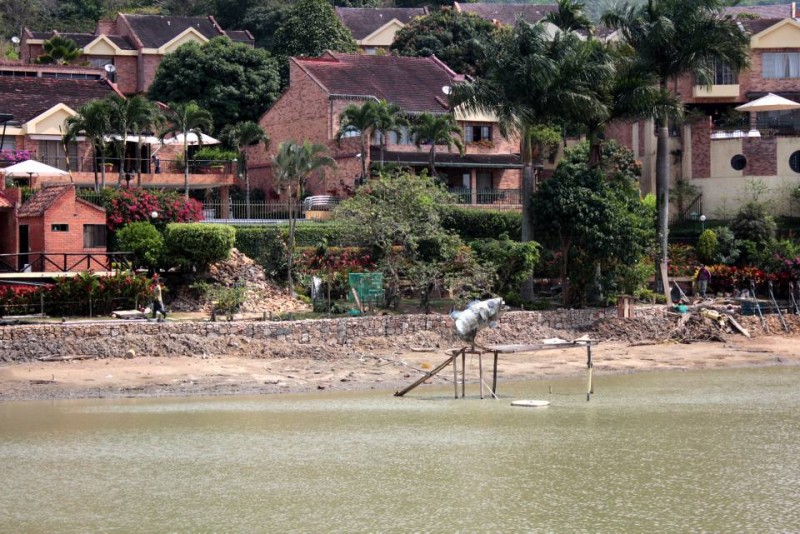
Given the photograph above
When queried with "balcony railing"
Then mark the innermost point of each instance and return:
(146, 166)
(502, 197)
(259, 211)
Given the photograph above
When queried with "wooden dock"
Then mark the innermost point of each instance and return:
(496, 350)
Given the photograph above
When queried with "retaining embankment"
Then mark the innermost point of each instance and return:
(322, 337)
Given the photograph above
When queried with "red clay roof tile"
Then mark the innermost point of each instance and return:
(26, 98)
(42, 200)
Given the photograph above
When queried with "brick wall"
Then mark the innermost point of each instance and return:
(195, 338)
(701, 148)
(127, 75)
(762, 155)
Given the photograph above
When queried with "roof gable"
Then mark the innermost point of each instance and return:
(43, 200)
(364, 21)
(784, 33)
(50, 122)
(414, 84)
(189, 35)
(383, 36)
(156, 31)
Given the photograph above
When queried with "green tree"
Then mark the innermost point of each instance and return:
(292, 166)
(459, 39)
(59, 50)
(310, 29)
(436, 130)
(185, 119)
(233, 81)
(359, 120)
(402, 209)
(145, 241)
(241, 136)
(92, 120)
(134, 115)
(673, 38)
(570, 16)
(388, 118)
(264, 20)
(593, 217)
(532, 80)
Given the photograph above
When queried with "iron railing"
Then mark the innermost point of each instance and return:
(144, 165)
(66, 262)
(486, 196)
(238, 210)
(691, 212)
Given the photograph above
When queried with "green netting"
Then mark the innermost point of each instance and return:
(368, 286)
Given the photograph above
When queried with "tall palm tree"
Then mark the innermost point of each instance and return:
(241, 136)
(673, 38)
(532, 80)
(186, 118)
(131, 116)
(92, 120)
(388, 118)
(59, 50)
(437, 130)
(358, 120)
(570, 16)
(292, 166)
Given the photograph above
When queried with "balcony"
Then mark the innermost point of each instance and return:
(716, 91)
(503, 199)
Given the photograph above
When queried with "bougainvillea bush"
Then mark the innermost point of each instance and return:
(82, 295)
(12, 156)
(125, 206)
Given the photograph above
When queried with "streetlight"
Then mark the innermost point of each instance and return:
(154, 215)
(702, 223)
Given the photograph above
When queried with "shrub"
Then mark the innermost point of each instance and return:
(214, 154)
(473, 224)
(144, 240)
(753, 223)
(707, 246)
(124, 206)
(511, 260)
(198, 245)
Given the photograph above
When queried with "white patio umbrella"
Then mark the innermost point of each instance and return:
(771, 102)
(191, 140)
(31, 167)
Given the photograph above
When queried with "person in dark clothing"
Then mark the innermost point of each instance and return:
(702, 277)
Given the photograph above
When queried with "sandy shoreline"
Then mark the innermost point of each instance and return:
(150, 377)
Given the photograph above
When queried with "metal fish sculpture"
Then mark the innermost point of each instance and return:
(478, 315)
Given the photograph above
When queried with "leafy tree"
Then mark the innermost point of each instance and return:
(511, 260)
(292, 167)
(59, 50)
(593, 217)
(188, 8)
(397, 216)
(185, 119)
(358, 120)
(244, 135)
(232, 81)
(436, 130)
(708, 247)
(673, 38)
(263, 21)
(459, 39)
(310, 29)
(388, 118)
(92, 120)
(145, 241)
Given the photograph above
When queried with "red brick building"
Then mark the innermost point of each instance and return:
(134, 44)
(321, 88)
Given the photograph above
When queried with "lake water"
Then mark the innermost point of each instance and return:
(663, 452)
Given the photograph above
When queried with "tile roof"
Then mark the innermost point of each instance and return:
(363, 21)
(240, 36)
(415, 84)
(754, 26)
(5, 202)
(508, 13)
(156, 30)
(766, 12)
(27, 97)
(43, 200)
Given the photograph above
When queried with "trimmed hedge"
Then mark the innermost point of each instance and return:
(473, 224)
(198, 245)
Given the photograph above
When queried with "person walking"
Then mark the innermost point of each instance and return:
(702, 277)
(158, 302)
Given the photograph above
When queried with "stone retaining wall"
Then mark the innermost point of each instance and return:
(251, 338)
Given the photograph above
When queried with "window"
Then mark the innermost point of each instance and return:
(478, 132)
(59, 228)
(52, 153)
(794, 161)
(94, 236)
(100, 62)
(780, 65)
(403, 139)
(738, 162)
(371, 51)
(724, 74)
(351, 132)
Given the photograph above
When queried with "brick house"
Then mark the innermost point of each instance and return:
(52, 231)
(374, 28)
(134, 44)
(321, 88)
(720, 150)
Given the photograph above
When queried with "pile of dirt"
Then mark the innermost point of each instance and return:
(261, 295)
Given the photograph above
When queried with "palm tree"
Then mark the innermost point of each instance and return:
(437, 130)
(186, 118)
(59, 50)
(292, 166)
(241, 136)
(358, 120)
(570, 16)
(531, 80)
(673, 38)
(92, 120)
(388, 118)
(131, 115)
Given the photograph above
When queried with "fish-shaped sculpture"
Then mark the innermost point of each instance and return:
(478, 315)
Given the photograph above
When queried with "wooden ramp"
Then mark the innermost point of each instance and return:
(496, 350)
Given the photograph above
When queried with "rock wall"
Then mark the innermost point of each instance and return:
(322, 338)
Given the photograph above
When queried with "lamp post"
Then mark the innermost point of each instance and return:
(702, 223)
(154, 215)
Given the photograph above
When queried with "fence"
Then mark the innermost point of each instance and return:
(89, 307)
(487, 196)
(691, 212)
(65, 262)
(143, 165)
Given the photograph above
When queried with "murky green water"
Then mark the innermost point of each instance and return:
(712, 451)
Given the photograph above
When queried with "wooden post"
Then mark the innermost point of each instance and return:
(480, 371)
(589, 366)
(463, 372)
(494, 375)
(455, 374)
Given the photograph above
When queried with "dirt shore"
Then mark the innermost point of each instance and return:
(212, 375)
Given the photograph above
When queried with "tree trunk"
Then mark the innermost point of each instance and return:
(139, 145)
(526, 291)
(383, 147)
(363, 157)
(594, 149)
(564, 268)
(96, 179)
(662, 190)
(102, 169)
(290, 258)
(185, 166)
(433, 160)
(243, 158)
